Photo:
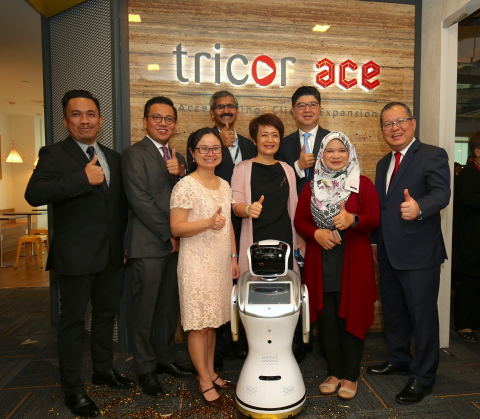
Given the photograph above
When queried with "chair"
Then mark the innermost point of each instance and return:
(36, 240)
(42, 232)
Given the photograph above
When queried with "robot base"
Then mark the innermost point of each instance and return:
(259, 413)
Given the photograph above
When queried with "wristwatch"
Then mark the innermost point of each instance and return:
(355, 220)
(234, 255)
(419, 216)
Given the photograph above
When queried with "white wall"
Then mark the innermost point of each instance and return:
(437, 113)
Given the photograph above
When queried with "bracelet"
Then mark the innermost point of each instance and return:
(234, 255)
(247, 208)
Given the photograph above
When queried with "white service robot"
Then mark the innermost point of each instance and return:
(269, 299)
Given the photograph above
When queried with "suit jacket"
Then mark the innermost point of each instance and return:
(148, 187)
(415, 244)
(289, 152)
(225, 168)
(87, 224)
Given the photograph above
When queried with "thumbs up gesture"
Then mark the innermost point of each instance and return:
(217, 221)
(409, 208)
(344, 219)
(94, 173)
(256, 208)
(173, 165)
(305, 160)
(227, 135)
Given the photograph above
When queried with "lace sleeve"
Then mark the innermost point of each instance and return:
(182, 195)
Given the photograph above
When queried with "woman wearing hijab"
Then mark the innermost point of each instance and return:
(336, 214)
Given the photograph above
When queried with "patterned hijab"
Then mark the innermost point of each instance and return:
(329, 187)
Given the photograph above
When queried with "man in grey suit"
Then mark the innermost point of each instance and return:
(150, 170)
(413, 183)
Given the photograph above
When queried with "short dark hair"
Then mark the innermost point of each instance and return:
(158, 99)
(195, 139)
(72, 94)
(306, 91)
(473, 143)
(219, 95)
(393, 104)
(266, 119)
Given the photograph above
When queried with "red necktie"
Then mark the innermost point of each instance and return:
(397, 163)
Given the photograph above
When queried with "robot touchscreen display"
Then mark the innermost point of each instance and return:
(274, 293)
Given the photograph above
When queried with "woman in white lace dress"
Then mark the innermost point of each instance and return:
(207, 262)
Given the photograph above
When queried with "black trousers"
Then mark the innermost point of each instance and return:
(103, 290)
(156, 308)
(467, 302)
(342, 350)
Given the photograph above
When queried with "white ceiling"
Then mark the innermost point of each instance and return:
(21, 79)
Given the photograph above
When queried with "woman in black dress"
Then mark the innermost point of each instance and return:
(264, 191)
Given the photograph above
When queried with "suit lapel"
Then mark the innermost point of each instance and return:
(72, 148)
(402, 169)
(114, 176)
(155, 153)
(318, 141)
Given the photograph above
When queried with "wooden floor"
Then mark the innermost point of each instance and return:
(30, 275)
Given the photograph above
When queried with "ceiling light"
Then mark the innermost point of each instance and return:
(321, 28)
(134, 18)
(15, 155)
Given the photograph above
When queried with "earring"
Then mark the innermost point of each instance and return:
(194, 159)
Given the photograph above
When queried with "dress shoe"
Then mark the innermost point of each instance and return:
(218, 402)
(413, 392)
(113, 379)
(347, 394)
(386, 368)
(150, 384)
(227, 386)
(175, 370)
(329, 388)
(82, 405)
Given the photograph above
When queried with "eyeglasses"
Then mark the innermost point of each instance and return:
(169, 120)
(230, 106)
(205, 150)
(400, 123)
(303, 105)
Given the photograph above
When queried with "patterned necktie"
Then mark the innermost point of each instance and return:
(306, 136)
(398, 155)
(91, 153)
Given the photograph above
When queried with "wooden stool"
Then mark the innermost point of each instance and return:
(36, 240)
(42, 232)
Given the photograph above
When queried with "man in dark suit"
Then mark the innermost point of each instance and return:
(150, 171)
(89, 218)
(294, 150)
(413, 183)
(224, 111)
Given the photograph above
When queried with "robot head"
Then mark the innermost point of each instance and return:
(268, 259)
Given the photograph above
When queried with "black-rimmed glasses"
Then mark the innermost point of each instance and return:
(159, 118)
(230, 106)
(303, 105)
(206, 150)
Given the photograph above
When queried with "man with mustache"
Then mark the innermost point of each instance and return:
(224, 112)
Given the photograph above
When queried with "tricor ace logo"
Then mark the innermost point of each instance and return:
(328, 75)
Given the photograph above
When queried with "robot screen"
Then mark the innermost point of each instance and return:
(269, 293)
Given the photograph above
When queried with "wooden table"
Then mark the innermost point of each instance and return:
(6, 217)
(27, 214)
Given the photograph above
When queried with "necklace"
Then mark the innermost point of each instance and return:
(208, 185)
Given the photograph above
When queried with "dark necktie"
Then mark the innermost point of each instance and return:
(91, 153)
(398, 155)
(166, 157)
